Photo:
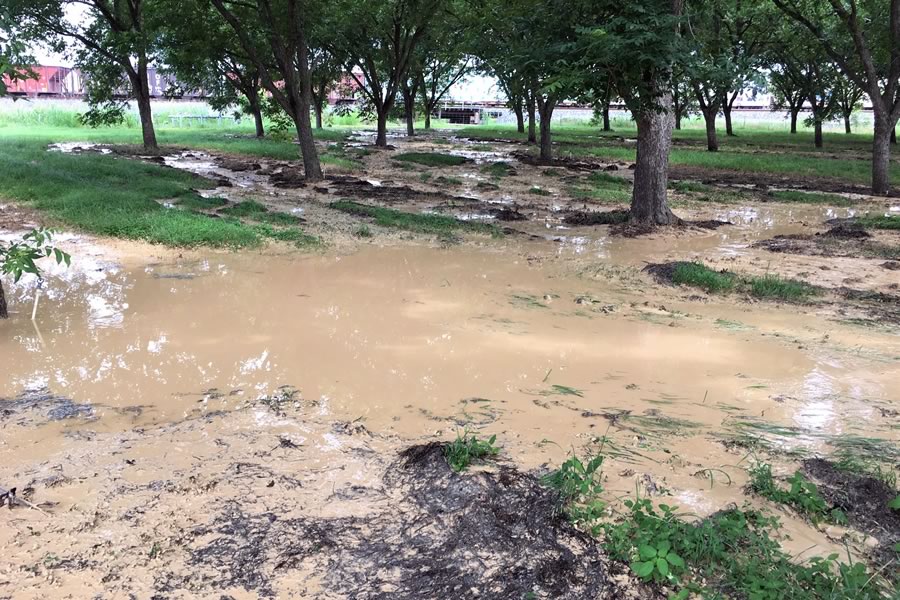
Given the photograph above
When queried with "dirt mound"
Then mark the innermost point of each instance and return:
(708, 224)
(847, 231)
(496, 534)
(610, 217)
(863, 499)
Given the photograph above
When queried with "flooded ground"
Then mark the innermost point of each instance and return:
(159, 392)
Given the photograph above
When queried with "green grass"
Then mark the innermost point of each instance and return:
(467, 448)
(418, 223)
(794, 196)
(499, 169)
(248, 208)
(538, 191)
(879, 222)
(802, 495)
(605, 180)
(431, 159)
(454, 181)
(201, 203)
(767, 287)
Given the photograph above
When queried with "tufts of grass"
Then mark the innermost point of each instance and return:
(247, 208)
(699, 275)
(602, 179)
(686, 187)
(290, 234)
(443, 180)
(538, 191)
(498, 169)
(802, 495)
(431, 159)
(419, 223)
(811, 198)
(767, 287)
(201, 203)
(580, 483)
(467, 448)
(363, 231)
(879, 222)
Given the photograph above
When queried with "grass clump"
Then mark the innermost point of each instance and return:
(579, 483)
(686, 187)
(431, 159)
(289, 234)
(467, 448)
(767, 287)
(538, 191)
(419, 223)
(253, 210)
(601, 179)
(878, 222)
(498, 169)
(201, 203)
(699, 275)
(802, 495)
(443, 180)
(363, 231)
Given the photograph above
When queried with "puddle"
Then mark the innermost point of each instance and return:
(74, 147)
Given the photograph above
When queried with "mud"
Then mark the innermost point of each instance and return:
(865, 500)
(840, 241)
(764, 181)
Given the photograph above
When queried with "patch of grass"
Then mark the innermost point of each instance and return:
(602, 179)
(467, 448)
(247, 208)
(811, 198)
(802, 495)
(878, 221)
(580, 483)
(431, 159)
(363, 231)
(690, 187)
(498, 169)
(443, 180)
(490, 187)
(767, 287)
(290, 234)
(425, 177)
(538, 191)
(419, 223)
(201, 203)
(700, 276)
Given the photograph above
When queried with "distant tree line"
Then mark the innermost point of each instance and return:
(663, 59)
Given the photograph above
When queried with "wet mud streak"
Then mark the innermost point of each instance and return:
(496, 534)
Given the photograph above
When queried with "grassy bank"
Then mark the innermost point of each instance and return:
(119, 197)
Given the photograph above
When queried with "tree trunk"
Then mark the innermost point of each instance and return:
(607, 126)
(312, 168)
(546, 110)
(409, 109)
(651, 174)
(894, 136)
(381, 137)
(258, 119)
(4, 313)
(712, 141)
(532, 134)
(319, 109)
(847, 128)
(520, 115)
(881, 156)
(795, 113)
(818, 129)
(726, 110)
(427, 119)
(678, 121)
(142, 95)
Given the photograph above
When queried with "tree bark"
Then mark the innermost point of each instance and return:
(142, 95)
(894, 136)
(881, 155)
(712, 141)
(726, 110)
(410, 120)
(847, 128)
(4, 313)
(818, 135)
(795, 113)
(319, 111)
(651, 175)
(520, 115)
(427, 119)
(678, 121)
(607, 126)
(546, 110)
(381, 137)
(532, 109)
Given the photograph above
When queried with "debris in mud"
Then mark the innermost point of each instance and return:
(709, 223)
(864, 500)
(238, 165)
(891, 265)
(439, 534)
(349, 187)
(566, 163)
(610, 217)
(39, 406)
(847, 231)
(508, 214)
(763, 180)
(288, 178)
(843, 240)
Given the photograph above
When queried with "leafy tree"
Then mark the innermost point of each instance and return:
(684, 102)
(18, 258)
(786, 86)
(113, 45)
(326, 76)
(376, 41)
(200, 50)
(863, 38)
(14, 58)
(445, 62)
(275, 36)
(849, 99)
(637, 44)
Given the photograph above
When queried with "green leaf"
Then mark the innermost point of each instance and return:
(662, 548)
(647, 552)
(642, 569)
(675, 560)
(663, 566)
(895, 503)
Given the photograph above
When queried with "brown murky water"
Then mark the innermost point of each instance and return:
(551, 346)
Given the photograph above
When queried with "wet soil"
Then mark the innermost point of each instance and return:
(192, 469)
(840, 241)
(764, 181)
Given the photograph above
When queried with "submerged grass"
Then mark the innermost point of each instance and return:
(801, 494)
(419, 223)
(431, 159)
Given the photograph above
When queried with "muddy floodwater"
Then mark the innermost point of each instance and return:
(157, 390)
